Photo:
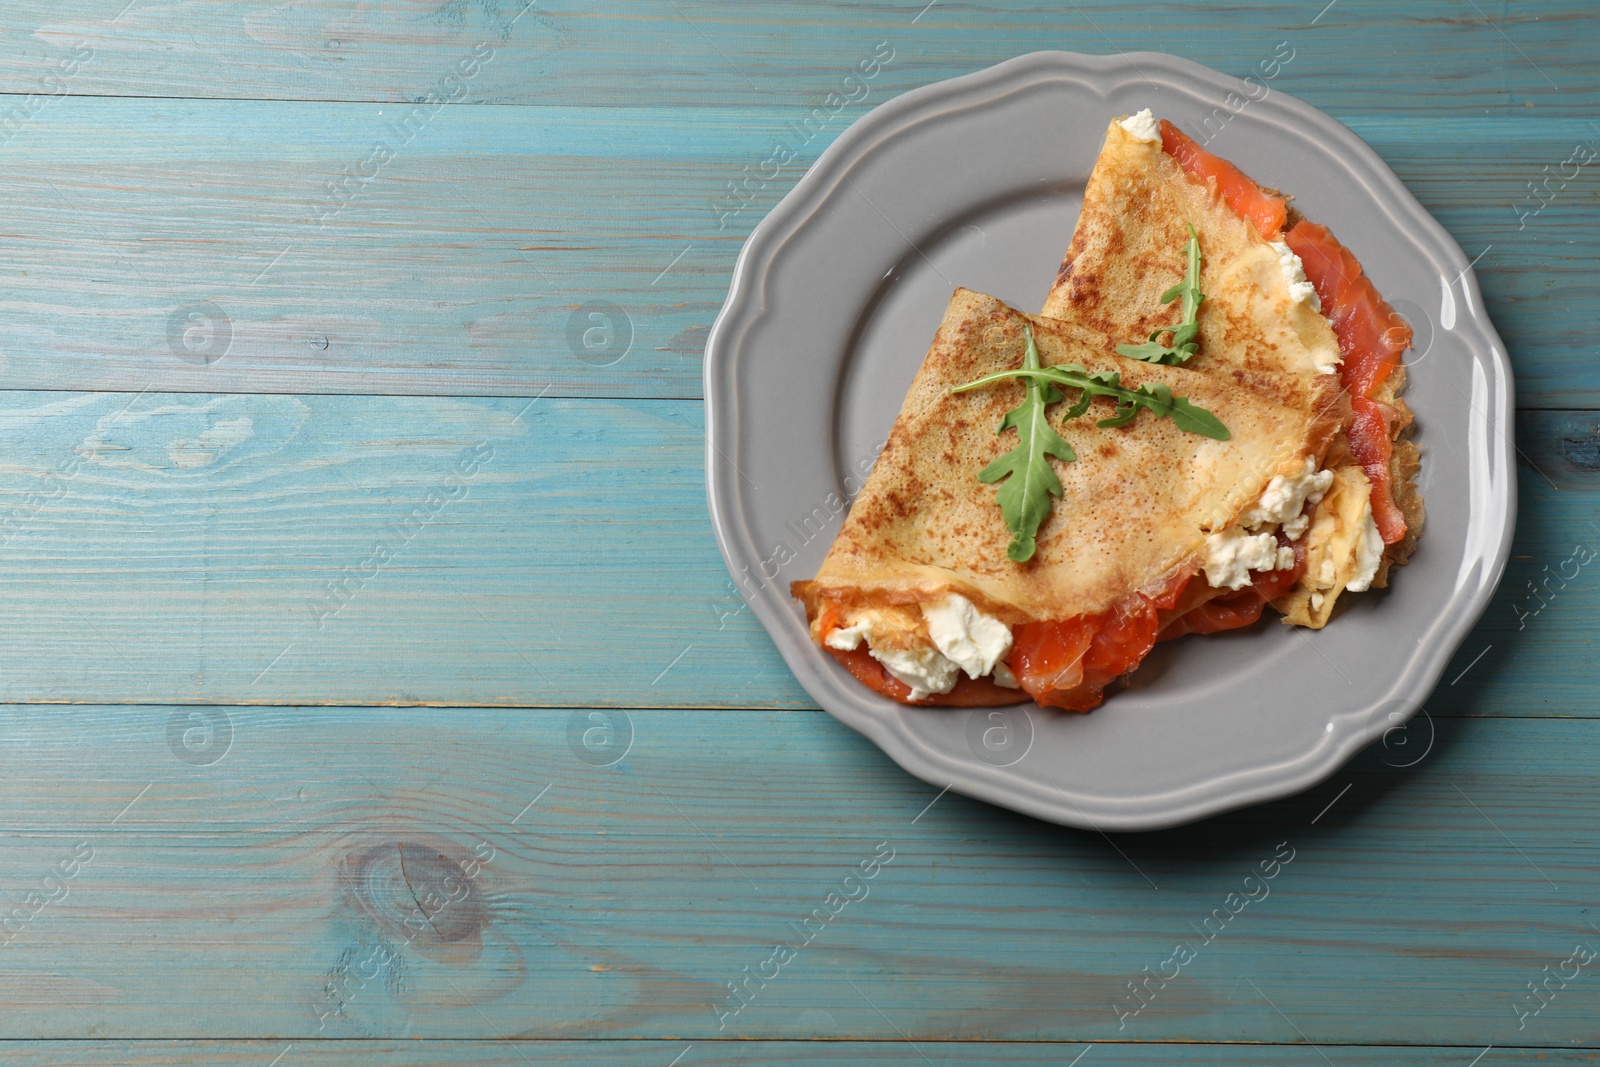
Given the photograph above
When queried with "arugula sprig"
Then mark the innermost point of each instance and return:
(1031, 483)
(1155, 398)
(1030, 480)
(1185, 336)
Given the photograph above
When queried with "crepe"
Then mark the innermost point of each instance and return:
(1126, 252)
(1262, 322)
(1119, 546)
(1158, 532)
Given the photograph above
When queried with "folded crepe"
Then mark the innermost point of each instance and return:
(1288, 312)
(917, 595)
(1158, 532)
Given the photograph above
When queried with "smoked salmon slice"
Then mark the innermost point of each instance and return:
(1371, 334)
(1267, 211)
(1372, 444)
(1067, 664)
(1371, 338)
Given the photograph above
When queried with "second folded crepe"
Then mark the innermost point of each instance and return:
(1288, 313)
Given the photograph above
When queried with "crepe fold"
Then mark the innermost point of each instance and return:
(1136, 505)
(1127, 251)
(1138, 205)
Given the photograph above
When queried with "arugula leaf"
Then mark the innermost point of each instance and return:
(1030, 481)
(1158, 398)
(1185, 336)
(1155, 398)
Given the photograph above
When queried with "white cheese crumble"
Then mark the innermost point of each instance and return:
(1300, 289)
(964, 639)
(848, 638)
(1369, 553)
(1285, 499)
(1294, 273)
(1143, 126)
(967, 636)
(1252, 545)
(923, 669)
(1327, 572)
(1004, 678)
(1232, 554)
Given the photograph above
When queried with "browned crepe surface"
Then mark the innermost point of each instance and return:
(1124, 255)
(1128, 249)
(1137, 503)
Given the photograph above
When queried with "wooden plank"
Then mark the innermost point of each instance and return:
(208, 253)
(202, 250)
(1535, 636)
(238, 872)
(479, 551)
(329, 549)
(747, 1053)
(1360, 55)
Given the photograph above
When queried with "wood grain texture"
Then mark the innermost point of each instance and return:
(471, 262)
(366, 549)
(271, 463)
(250, 873)
(1360, 55)
(462, 268)
(763, 1054)
(328, 549)
(637, 1053)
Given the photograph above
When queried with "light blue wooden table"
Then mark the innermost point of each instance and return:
(377, 695)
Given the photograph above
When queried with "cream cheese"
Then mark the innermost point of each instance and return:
(1232, 554)
(1252, 545)
(1143, 126)
(849, 638)
(1294, 273)
(923, 669)
(1369, 553)
(1301, 290)
(966, 636)
(1285, 498)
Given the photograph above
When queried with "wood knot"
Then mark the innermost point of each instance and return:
(1582, 452)
(417, 891)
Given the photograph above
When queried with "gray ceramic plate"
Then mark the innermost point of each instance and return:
(977, 182)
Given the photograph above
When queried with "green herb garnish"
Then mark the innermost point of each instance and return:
(1030, 481)
(1185, 335)
(1156, 398)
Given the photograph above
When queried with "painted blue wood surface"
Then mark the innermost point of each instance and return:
(636, 1053)
(461, 268)
(321, 450)
(243, 872)
(1358, 55)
